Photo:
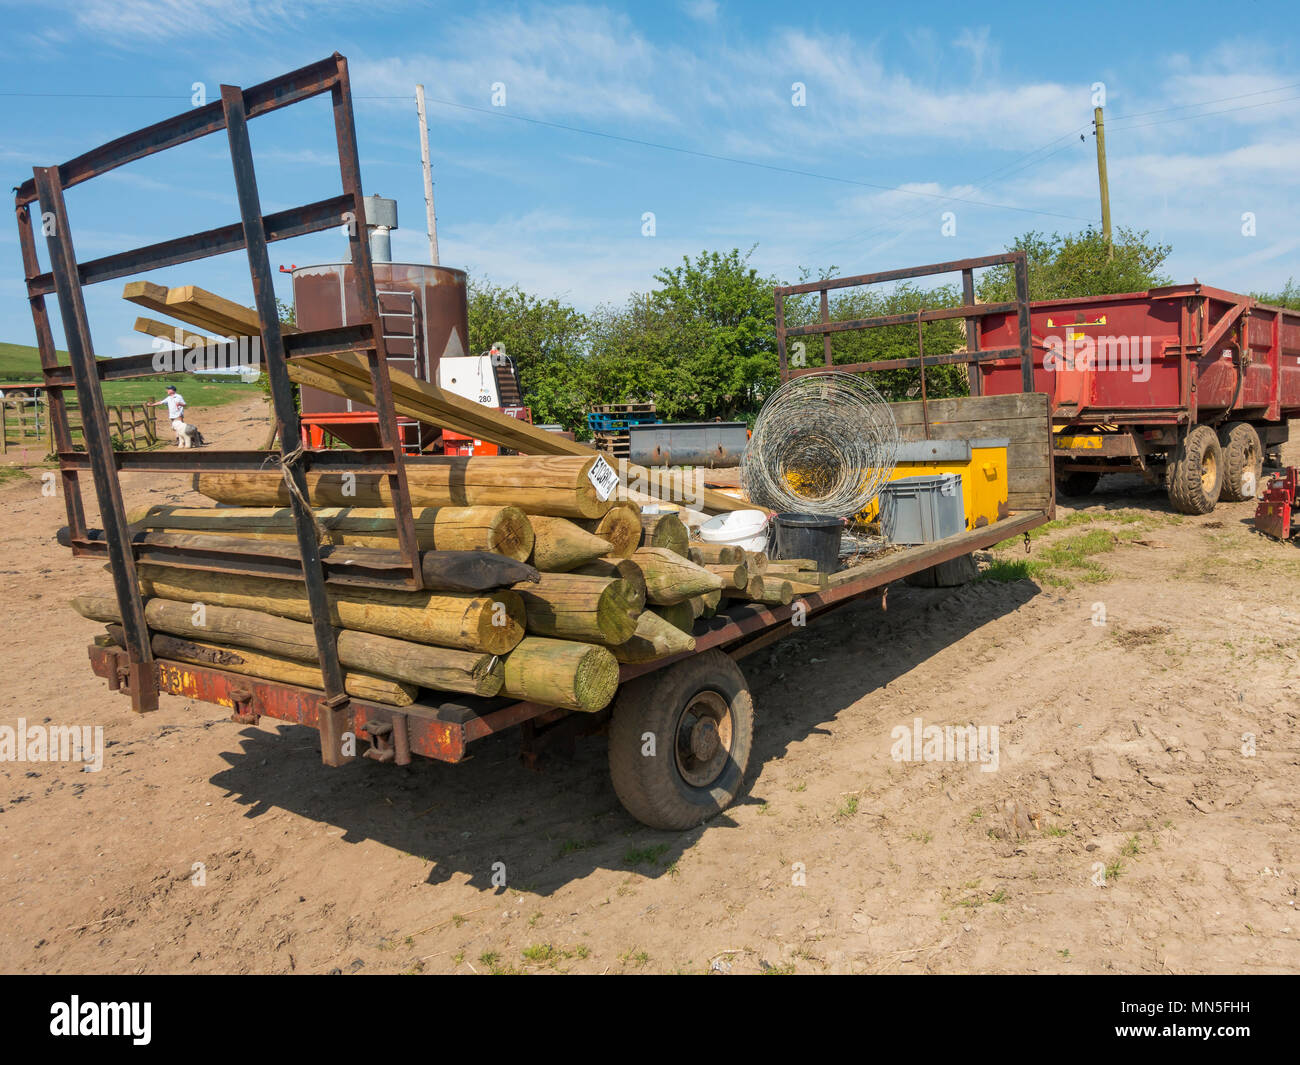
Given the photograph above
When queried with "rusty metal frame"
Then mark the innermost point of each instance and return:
(968, 310)
(252, 233)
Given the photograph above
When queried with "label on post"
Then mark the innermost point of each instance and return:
(603, 478)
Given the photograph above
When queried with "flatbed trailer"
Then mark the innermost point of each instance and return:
(696, 706)
(1188, 383)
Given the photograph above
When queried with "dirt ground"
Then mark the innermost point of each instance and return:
(1142, 816)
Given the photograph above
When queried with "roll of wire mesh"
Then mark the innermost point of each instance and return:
(824, 443)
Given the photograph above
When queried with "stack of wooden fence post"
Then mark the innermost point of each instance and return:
(536, 588)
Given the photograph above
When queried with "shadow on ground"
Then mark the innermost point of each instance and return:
(553, 827)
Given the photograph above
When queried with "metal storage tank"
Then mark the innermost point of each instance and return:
(424, 317)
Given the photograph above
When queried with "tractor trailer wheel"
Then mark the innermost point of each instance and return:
(1194, 474)
(679, 741)
(1243, 461)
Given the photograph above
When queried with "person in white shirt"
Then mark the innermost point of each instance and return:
(175, 403)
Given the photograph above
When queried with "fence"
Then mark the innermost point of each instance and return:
(25, 416)
(133, 426)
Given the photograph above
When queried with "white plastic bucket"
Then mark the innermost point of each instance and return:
(738, 528)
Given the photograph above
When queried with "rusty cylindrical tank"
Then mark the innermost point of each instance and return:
(424, 315)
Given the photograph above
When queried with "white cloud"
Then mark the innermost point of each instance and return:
(701, 10)
(145, 22)
(1270, 253)
(981, 50)
(580, 62)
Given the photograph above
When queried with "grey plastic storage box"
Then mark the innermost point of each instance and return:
(920, 510)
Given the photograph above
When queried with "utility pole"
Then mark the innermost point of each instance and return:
(428, 176)
(1100, 123)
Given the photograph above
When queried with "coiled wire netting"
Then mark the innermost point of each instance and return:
(824, 443)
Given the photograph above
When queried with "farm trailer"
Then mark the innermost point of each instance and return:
(1189, 383)
(697, 704)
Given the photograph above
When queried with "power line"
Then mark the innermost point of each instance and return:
(735, 160)
(624, 139)
(1076, 131)
(1206, 103)
(981, 182)
(1207, 114)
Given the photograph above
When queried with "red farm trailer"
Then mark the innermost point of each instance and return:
(1188, 383)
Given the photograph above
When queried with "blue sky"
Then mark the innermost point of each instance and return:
(911, 111)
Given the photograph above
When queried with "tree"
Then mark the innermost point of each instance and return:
(1288, 297)
(886, 342)
(1078, 264)
(720, 314)
(546, 339)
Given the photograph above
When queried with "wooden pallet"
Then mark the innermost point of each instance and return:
(616, 444)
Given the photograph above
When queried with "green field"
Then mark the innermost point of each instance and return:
(198, 394)
(21, 362)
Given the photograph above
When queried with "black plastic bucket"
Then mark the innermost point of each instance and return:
(813, 536)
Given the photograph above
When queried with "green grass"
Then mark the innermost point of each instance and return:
(1148, 519)
(1008, 570)
(22, 362)
(645, 855)
(1063, 562)
(545, 953)
(198, 394)
(11, 473)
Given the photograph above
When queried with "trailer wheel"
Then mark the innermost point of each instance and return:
(951, 574)
(679, 741)
(1194, 476)
(1077, 484)
(1243, 457)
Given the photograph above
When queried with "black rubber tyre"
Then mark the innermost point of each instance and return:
(696, 769)
(1077, 484)
(1194, 476)
(1243, 457)
(952, 574)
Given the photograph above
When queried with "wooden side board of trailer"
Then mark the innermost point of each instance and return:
(1024, 419)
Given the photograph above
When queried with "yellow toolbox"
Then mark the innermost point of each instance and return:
(982, 464)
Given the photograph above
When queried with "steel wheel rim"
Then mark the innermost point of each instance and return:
(1209, 471)
(702, 739)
